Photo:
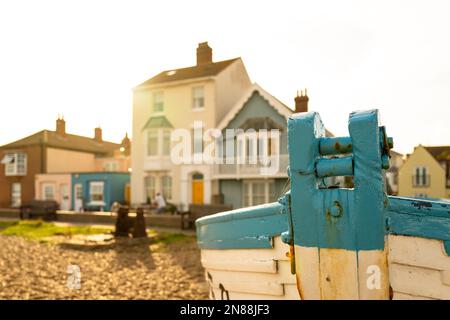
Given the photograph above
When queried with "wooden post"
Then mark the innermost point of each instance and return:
(338, 233)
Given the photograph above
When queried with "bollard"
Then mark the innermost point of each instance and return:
(122, 222)
(139, 230)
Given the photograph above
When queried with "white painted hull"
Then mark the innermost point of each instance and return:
(419, 268)
(250, 274)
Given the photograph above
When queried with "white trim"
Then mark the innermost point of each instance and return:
(277, 105)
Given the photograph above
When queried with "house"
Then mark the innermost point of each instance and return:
(395, 163)
(241, 184)
(426, 173)
(179, 99)
(26, 162)
(97, 191)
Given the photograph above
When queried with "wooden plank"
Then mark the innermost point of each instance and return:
(373, 276)
(269, 266)
(405, 296)
(414, 251)
(418, 281)
(307, 272)
(248, 282)
(234, 295)
(291, 292)
(338, 274)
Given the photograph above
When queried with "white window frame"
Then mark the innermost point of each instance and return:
(163, 141)
(92, 186)
(150, 186)
(16, 196)
(111, 166)
(158, 102)
(250, 183)
(166, 189)
(12, 169)
(196, 106)
(44, 191)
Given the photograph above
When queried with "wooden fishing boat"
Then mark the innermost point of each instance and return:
(323, 242)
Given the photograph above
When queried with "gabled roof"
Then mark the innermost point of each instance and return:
(279, 106)
(282, 109)
(204, 70)
(68, 142)
(440, 153)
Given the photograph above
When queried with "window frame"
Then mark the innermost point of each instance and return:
(14, 194)
(196, 98)
(158, 101)
(15, 164)
(166, 189)
(269, 186)
(93, 185)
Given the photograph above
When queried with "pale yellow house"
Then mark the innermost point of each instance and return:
(426, 173)
(177, 99)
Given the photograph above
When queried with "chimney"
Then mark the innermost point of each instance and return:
(98, 135)
(301, 102)
(61, 126)
(204, 53)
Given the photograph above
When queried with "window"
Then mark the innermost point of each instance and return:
(15, 164)
(198, 98)
(111, 166)
(166, 186)
(150, 188)
(152, 142)
(421, 177)
(49, 192)
(16, 194)
(166, 143)
(258, 192)
(158, 102)
(96, 191)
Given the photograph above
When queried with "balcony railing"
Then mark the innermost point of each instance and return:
(276, 168)
(421, 181)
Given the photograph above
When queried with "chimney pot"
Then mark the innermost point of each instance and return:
(98, 135)
(204, 53)
(301, 102)
(61, 126)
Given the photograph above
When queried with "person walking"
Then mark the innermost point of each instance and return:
(160, 203)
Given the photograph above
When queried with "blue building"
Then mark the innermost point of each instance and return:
(243, 185)
(98, 190)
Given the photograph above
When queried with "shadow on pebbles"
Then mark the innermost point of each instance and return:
(108, 269)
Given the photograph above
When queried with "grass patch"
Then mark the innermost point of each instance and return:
(36, 230)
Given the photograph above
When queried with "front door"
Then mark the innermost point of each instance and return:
(197, 188)
(64, 194)
(78, 197)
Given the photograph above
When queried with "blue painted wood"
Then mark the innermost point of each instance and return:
(335, 145)
(313, 216)
(419, 218)
(334, 167)
(243, 228)
(359, 221)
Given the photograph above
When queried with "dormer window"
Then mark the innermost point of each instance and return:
(198, 98)
(158, 102)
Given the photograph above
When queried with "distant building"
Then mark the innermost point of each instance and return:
(243, 185)
(395, 163)
(175, 99)
(25, 163)
(426, 173)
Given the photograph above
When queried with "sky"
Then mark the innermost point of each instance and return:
(82, 59)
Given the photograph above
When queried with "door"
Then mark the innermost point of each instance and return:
(78, 197)
(197, 188)
(64, 194)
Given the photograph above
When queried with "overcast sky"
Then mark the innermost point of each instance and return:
(81, 59)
